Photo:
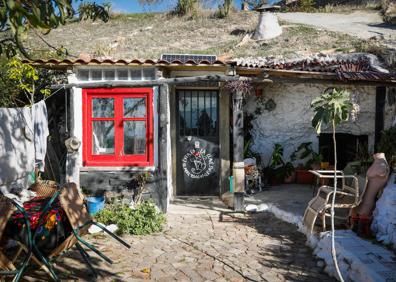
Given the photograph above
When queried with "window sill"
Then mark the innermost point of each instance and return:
(117, 168)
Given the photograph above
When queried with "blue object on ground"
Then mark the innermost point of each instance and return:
(95, 204)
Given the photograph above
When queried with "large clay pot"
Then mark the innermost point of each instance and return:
(304, 177)
(377, 176)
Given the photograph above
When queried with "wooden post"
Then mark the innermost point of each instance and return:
(238, 171)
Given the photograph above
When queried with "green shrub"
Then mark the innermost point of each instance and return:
(224, 10)
(186, 8)
(307, 5)
(143, 220)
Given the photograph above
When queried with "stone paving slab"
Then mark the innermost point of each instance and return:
(205, 246)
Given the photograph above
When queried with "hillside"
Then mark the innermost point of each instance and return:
(149, 35)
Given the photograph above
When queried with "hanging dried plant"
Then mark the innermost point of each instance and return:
(243, 86)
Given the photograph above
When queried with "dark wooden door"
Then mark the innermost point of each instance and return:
(198, 165)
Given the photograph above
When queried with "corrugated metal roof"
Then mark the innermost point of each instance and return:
(357, 66)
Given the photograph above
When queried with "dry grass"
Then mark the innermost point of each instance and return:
(148, 35)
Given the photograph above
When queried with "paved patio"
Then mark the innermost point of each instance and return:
(292, 198)
(204, 241)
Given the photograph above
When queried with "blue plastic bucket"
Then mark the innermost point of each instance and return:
(95, 204)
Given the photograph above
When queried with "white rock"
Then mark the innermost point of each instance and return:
(262, 207)
(112, 227)
(251, 208)
(94, 229)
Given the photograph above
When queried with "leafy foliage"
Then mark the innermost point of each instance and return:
(16, 17)
(333, 104)
(224, 10)
(276, 159)
(186, 7)
(304, 151)
(143, 220)
(21, 84)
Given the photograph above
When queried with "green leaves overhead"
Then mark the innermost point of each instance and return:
(17, 16)
(333, 104)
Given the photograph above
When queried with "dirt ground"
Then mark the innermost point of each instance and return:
(146, 36)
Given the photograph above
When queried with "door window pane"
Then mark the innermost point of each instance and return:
(134, 107)
(102, 107)
(103, 137)
(134, 137)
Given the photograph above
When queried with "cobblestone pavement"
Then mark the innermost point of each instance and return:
(206, 246)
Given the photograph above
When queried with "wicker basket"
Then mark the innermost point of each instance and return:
(44, 188)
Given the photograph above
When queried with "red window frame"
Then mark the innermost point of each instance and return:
(118, 158)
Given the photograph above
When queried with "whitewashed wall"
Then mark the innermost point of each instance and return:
(290, 122)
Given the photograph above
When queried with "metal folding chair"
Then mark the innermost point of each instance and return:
(7, 266)
(76, 212)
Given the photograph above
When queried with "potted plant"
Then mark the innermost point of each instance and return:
(289, 173)
(273, 172)
(305, 151)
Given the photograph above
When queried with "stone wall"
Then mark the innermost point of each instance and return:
(290, 122)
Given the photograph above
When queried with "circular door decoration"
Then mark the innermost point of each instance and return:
(197, 163)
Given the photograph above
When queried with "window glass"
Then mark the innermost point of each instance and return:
(134, 137)
(134, 107)
(83, 75)
(109, 74)
(148, 74)
(103, 107)
(122, 74)
(103, 137)
(136, 74)
(96, 74)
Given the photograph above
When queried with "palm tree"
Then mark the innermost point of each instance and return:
(332, 107)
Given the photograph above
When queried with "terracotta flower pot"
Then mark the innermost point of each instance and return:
(304, 177)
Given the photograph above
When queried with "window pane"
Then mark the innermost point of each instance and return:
(83, 75)
(148, 74)
(103, 107)
(109, 74)
(134, 107)
(122, 74)
(134, 137)
(136, 74)
(96, 74)
(103, 137)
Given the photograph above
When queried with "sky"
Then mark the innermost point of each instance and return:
(133, 6)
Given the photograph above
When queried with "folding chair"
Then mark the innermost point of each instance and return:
(348, 196)
(7, 266)
(76, 212)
